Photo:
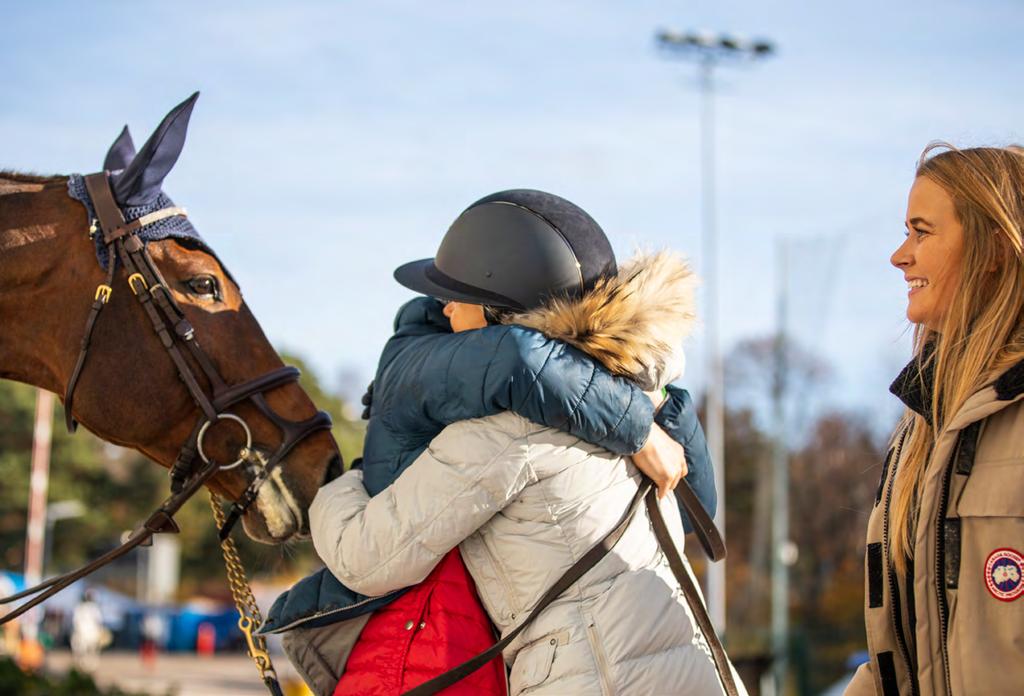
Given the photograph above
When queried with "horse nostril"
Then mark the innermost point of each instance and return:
(335, 468)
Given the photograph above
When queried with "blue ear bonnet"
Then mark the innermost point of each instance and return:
(135, 181)
(176, 227)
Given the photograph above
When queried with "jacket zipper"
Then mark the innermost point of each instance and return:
(499, 570)
(607, 685)
(321, 614)
(894, 589)
(940, 562)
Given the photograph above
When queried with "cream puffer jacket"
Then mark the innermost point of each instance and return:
(523, 502)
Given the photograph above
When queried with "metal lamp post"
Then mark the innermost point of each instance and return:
(708, 51)
(55, 512)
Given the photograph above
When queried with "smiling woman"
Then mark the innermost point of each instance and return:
(961, 260)
(944, 553)
(931, 255)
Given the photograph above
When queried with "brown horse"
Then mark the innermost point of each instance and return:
(130, 393)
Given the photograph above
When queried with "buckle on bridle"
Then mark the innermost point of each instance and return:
(131, 282)
(103, 292)
(243, 453)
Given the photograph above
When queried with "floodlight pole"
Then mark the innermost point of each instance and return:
(714, 402)
(782, 548)
(708, 51)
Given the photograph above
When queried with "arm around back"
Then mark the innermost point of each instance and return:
(555, 384)
(450, 377)
(512, 368)
(470, 472)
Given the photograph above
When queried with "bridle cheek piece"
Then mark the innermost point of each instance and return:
(174, 330)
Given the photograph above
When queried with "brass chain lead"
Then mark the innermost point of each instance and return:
(250, 618)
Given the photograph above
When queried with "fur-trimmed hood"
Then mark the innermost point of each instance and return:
(633, 323)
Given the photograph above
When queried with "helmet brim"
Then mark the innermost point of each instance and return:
(423, 277)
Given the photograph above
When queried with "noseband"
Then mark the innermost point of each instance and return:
(192, 467)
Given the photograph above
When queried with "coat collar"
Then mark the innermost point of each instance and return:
(913, 386)
(1010, 384)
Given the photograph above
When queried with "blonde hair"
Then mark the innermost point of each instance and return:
(982, 332)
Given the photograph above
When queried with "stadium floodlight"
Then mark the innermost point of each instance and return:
(708, 50)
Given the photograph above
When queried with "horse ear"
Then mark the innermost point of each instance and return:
(140, 182)
(121, 153)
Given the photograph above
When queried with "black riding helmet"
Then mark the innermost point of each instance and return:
(514, 250)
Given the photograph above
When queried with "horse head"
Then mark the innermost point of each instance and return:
(129, 391)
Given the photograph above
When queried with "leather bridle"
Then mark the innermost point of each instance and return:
(123, 244)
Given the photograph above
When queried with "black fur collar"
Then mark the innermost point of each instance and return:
(913, 386)
(1011, 383)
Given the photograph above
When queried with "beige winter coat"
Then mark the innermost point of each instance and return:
(523, 502)
(956, 625)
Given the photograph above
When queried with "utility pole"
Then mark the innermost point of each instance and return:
(36, 528)
(708, 51)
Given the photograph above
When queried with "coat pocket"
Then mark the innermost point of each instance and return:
(994, 490)
(986, 619)
(991, 519)
(533, 665)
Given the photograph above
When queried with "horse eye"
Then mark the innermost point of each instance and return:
(204, 286)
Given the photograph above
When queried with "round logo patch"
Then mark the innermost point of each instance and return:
(1004, 574)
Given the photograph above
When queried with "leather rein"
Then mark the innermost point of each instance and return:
(174, 330)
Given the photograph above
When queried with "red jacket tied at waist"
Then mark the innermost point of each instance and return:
(437, 625)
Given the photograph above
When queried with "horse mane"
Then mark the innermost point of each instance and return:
(26, 178)
(21, 182)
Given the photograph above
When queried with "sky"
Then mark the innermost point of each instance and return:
(335, 141)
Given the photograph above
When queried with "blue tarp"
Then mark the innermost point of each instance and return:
(11, 582)
(184, 626)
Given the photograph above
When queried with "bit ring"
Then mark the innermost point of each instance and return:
(243, 453)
